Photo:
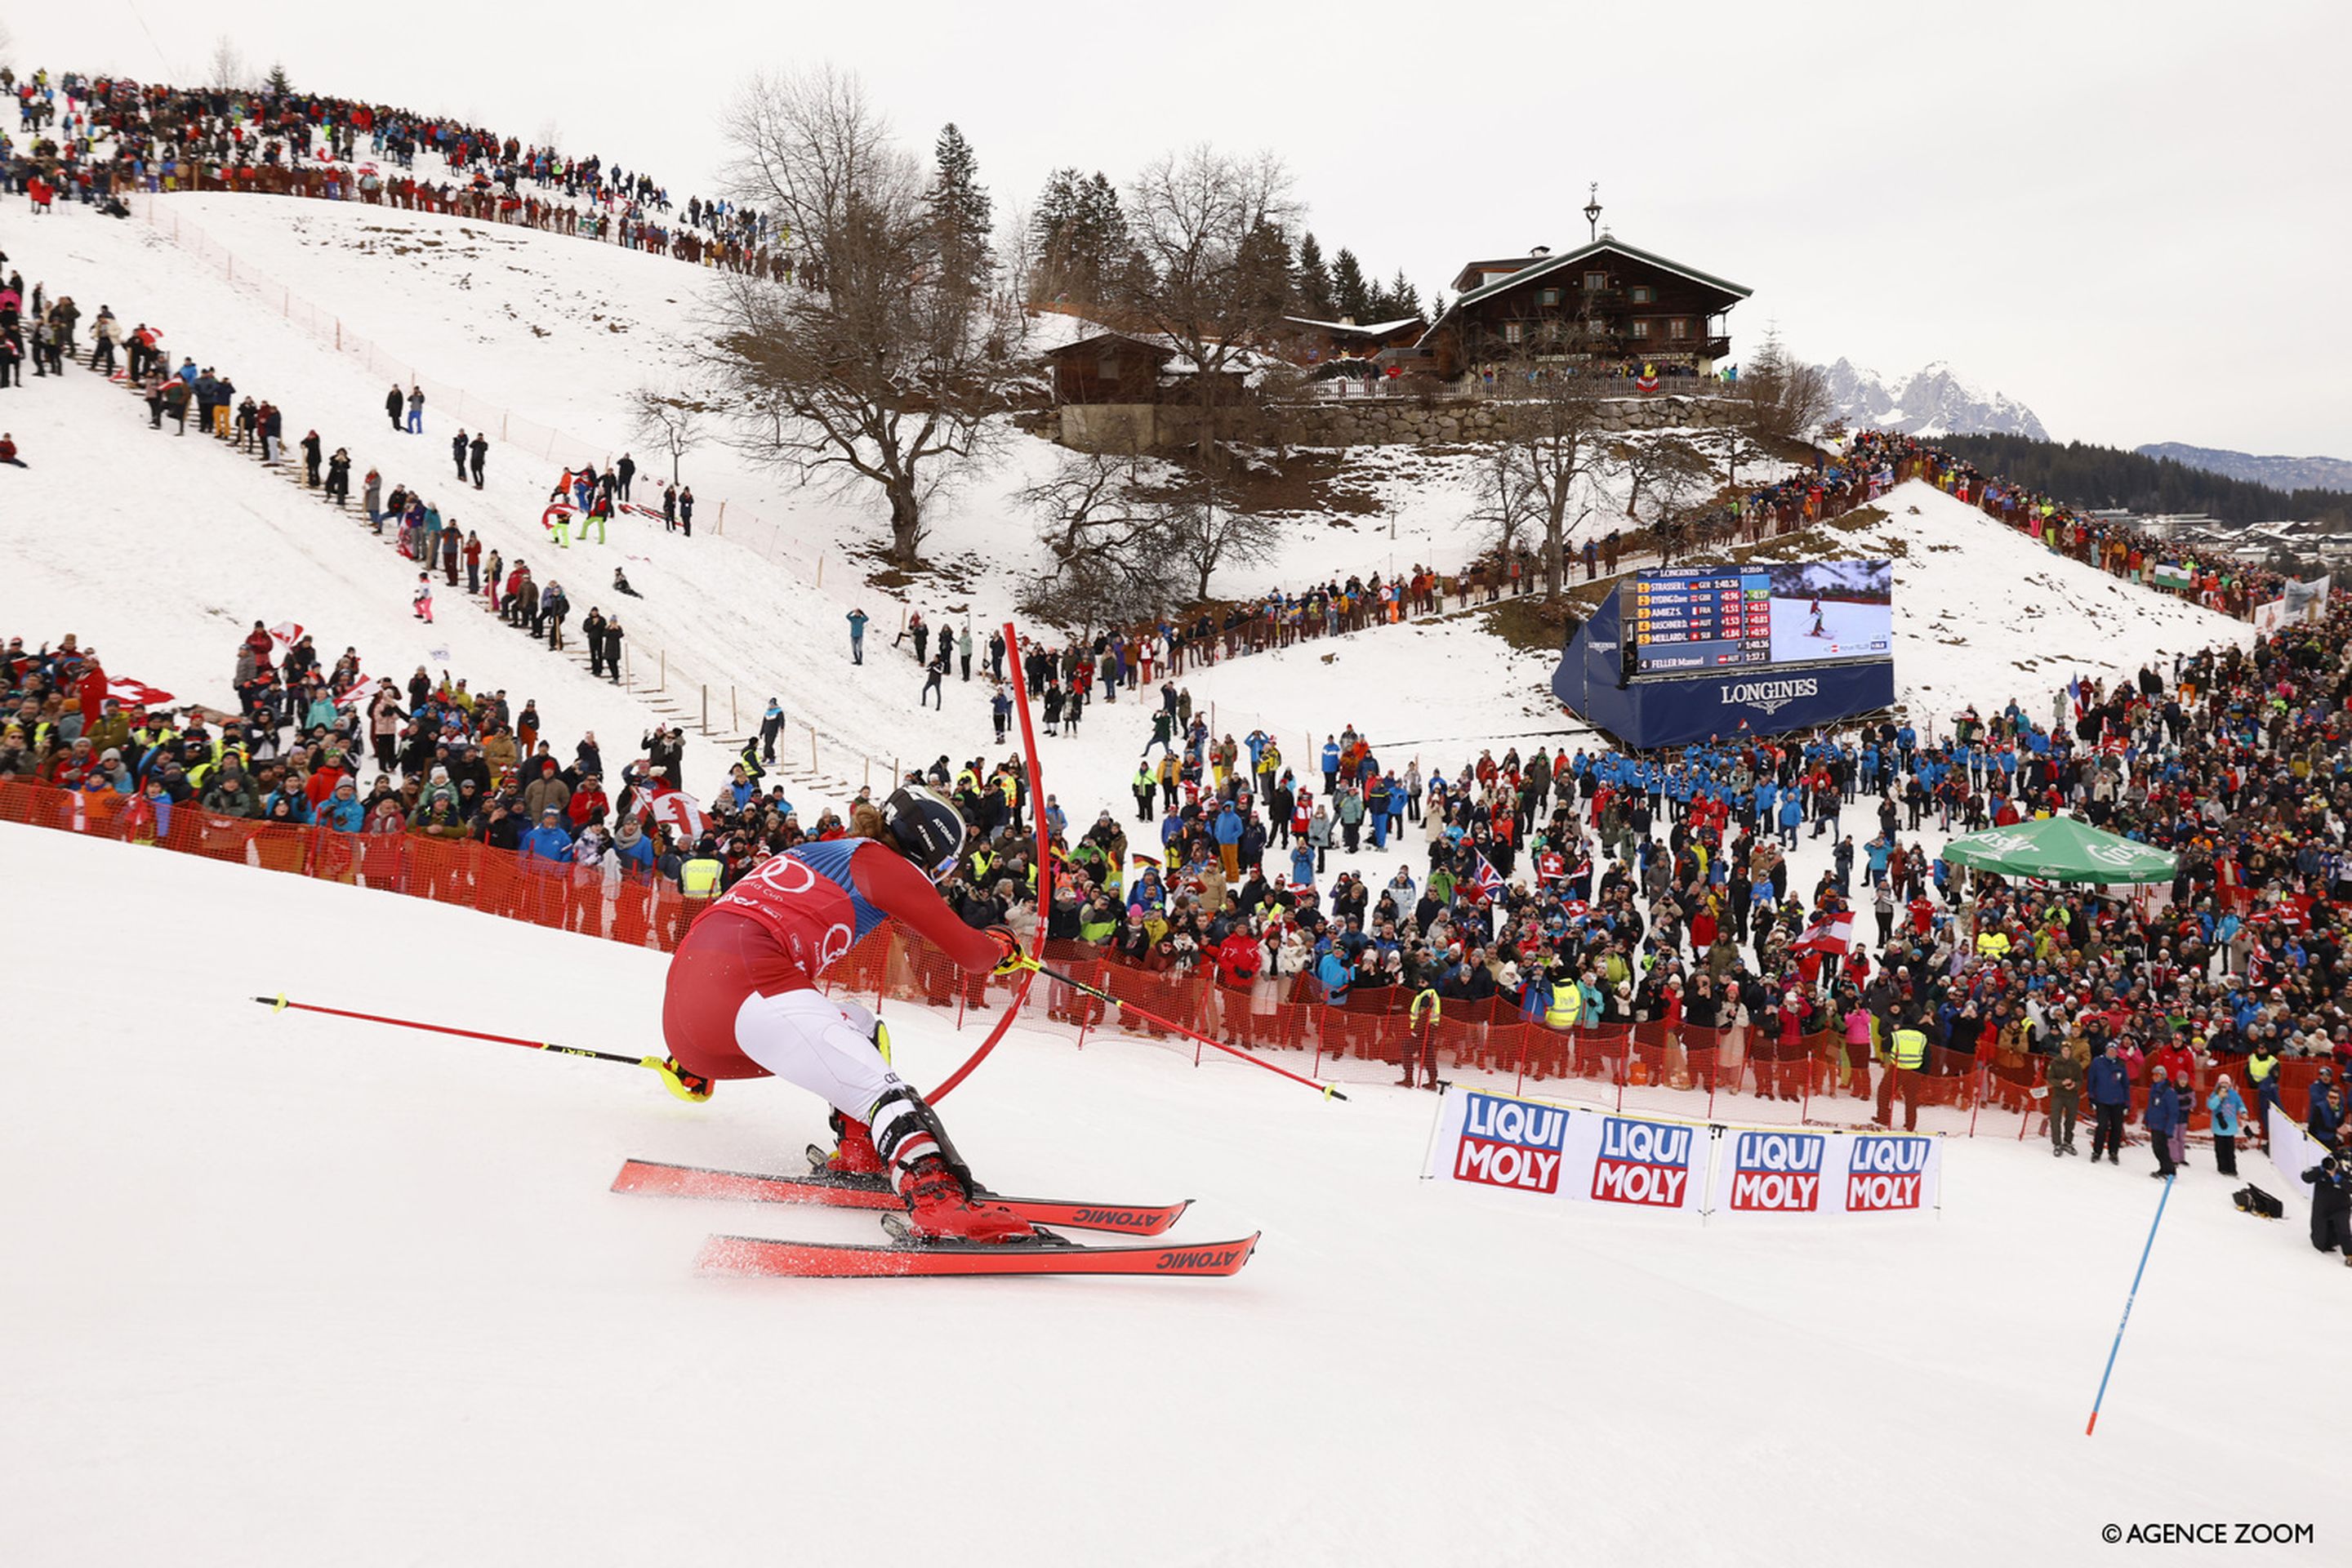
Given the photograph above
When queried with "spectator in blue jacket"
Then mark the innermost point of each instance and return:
(1333, 971)
(2110, 1095)
(342, 811)
(1228, 832)
(2229, 1115)
(1792, 812)
(1330, 764)
(2327, 1124)
(546, 847)
(2164, 1119)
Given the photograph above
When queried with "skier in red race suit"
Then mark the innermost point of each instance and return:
(743, 998)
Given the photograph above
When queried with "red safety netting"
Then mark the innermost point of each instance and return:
(1371, 1037)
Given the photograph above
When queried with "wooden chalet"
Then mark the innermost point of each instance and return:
(1605, 302)
(1108, 368)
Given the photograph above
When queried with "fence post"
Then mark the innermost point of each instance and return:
(706, 708)
(502, 427)
(820, 571)
(734, 715)
(665, 671)
(718, 530)
(813, 767)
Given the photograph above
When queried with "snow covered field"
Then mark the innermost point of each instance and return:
(291, 1289)
(287, 1289)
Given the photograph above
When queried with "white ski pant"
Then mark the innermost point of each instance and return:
(822, 1045)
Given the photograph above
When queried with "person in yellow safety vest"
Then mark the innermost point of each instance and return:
(1908, 1054)
(1421, 1038)
(698, 878)
(1567, 1006)
(1992, 943)
(2261, 1070)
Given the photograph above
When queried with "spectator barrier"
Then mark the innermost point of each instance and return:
(1368, 1038)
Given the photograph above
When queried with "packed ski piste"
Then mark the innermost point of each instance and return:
(517, 669)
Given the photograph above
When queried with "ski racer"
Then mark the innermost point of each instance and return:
(743, 998)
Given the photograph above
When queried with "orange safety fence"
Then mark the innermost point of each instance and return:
(1737, 1073)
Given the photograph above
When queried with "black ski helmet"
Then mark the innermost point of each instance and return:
(926, 826)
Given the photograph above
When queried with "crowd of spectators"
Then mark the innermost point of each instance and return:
(96, 138)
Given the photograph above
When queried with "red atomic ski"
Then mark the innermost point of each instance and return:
(834, 1260)
(655, 1177)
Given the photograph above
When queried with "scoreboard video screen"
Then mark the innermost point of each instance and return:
(1752, 616)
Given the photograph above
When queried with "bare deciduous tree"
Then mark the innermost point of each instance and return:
(881, 364)
(1542, 467)
(1666, 468)
(670, 420)
(1205, 535)
(1126, 544)
(1781, 398)
(226, 70)
(1209, 231)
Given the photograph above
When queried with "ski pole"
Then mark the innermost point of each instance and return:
(1331, 1091)
(2144, 1251)
(685, 1084)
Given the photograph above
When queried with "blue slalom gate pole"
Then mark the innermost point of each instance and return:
(2136, 1275)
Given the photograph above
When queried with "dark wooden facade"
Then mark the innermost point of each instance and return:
(1605, 303)
(1108, 368)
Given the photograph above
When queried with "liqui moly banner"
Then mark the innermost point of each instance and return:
(1646, 1161)
(1563, 1152)
(1790, 1170)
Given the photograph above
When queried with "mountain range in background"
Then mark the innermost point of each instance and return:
(2279, 473)
(1932, 401)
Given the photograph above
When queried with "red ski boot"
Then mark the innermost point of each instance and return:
(852, 1154)
(941, 1208)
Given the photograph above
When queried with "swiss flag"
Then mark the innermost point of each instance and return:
(136, 693)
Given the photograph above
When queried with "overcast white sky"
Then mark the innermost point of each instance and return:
(2135, 217)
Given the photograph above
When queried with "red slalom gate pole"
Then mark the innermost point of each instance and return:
(1331, 1091)
(1045, 872)
(697, 1090)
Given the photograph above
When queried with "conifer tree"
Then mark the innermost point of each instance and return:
(1351, 295)
(1313, 287)
(962, 210)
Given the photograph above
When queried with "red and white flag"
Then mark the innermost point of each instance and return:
(1828, 934)
(359, 690)
(136, 693)
(677, 810)
(288, 633)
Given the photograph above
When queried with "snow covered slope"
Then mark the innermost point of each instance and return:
(293, 1289)
(162, 550)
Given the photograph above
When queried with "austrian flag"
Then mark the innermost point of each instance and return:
(1828, 934)
(679, 811)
